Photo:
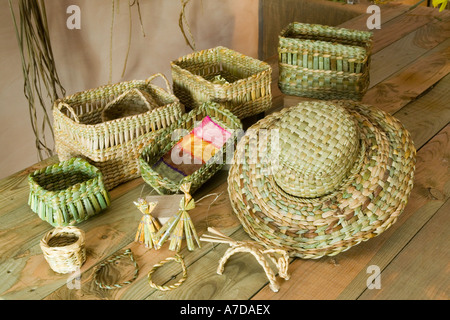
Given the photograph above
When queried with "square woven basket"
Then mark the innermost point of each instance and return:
(82, 127)
(67, 192)
(240, 83)
(324, 62)
(166, 139)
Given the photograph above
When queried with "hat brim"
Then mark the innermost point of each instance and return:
(367, 203)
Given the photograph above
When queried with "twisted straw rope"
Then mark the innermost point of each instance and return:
(177, 258)
(117, 285)
(257, 251)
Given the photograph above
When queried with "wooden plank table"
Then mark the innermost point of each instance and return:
(409, 78)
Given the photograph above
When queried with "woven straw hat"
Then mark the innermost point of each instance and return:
(320, 177)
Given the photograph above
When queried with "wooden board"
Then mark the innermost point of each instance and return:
(413, 273)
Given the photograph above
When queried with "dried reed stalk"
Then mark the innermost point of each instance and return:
(182, 21)
(41, 79)
(115, 9)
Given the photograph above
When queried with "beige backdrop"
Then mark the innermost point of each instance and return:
(82, 56)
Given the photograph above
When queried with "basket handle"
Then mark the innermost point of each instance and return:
(68, 107)
(151, 103)
(150, 79)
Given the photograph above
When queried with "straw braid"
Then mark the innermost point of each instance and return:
(112, 260)
(177, 258)
(257, 251)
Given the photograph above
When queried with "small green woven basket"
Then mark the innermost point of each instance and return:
(163, 141)
(324, 62)
(67, 192)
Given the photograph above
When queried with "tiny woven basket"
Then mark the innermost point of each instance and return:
(324, 62)
(331, 175)
(64, 249)
(110, 125)
(240, 83)
(67, 192)
(166, 139)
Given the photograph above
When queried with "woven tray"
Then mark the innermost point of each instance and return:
(64, 249)
(239, 82)
(324, 62)
(166, 139)
(114, 145)
(67, 192)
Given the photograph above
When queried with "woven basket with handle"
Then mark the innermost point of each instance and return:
(110, 125)
(324, 62)
(240, 83)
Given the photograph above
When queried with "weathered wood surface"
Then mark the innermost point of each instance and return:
(410, 79)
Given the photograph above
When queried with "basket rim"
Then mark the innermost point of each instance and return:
(60, 230)
(61, 102)
(337, 30)
(38, 187)
(362, 50)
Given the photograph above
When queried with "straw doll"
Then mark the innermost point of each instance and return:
(179, 223)
(149, 226)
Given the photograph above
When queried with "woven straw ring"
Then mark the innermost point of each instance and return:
(177, 258)
(117, 285)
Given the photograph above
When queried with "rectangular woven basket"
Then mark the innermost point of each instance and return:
(166, 139)
(240, 83)
(324, 62)
(82, 127)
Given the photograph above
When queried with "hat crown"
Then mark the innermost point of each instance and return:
(319, 145)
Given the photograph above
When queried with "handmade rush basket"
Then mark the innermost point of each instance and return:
(64, 249)
(240, 83)
(324, 62)
(333, 174)
(110, 125)
(67, 192)
(191, 150)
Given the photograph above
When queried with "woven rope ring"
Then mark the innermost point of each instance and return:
(112, 260)
(177, 258)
